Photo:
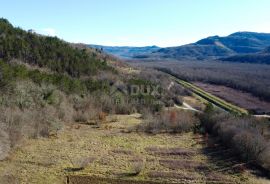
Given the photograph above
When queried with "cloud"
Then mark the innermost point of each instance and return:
(45, 31)
(49, 31)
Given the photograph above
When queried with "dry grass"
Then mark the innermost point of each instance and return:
(109, 153)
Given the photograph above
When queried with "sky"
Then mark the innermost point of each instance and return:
(137, 22)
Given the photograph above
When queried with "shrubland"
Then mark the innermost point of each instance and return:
(46, 82)
(168, 121)
(246, 136)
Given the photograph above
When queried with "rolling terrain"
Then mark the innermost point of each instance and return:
(248, 47)
(70, 113)
(214, 47)
(262, 57)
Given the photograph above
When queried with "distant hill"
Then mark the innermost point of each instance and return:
(126, 52)
(214, 47)
(262, 57)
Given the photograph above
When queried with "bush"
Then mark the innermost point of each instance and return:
(264, 156)
(137, 167)
(17, 124)
(169, 121)
(4, 145)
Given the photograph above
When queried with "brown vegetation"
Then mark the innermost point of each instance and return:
(172, 121)
(170, 151)
(246, 136)
(238, 97)
(183, 165)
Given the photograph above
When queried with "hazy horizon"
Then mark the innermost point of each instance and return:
(140, 23)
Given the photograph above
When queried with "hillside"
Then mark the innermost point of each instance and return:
(46, 82)
(126, 52)
(49, 52)
(215, 47)
(262, 57)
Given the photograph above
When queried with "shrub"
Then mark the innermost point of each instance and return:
(79, 163)
(85, 109)
(264, 156)
(4, 145)
(169, 121)
(17, 124)
(137, 166)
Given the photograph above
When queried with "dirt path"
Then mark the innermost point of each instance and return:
(186, 107)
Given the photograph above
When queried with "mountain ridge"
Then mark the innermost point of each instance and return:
(210, 48)
(262, 57)
(126, 52)
(216, 46)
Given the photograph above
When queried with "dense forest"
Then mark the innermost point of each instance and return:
(49, 52)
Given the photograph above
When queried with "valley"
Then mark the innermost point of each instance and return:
(82, 113)
(247, 85)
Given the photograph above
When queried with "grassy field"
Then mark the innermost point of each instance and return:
(109, 152)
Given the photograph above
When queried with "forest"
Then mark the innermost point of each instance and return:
(50, 52)
(251, 78)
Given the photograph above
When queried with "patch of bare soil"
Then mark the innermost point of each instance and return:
(170, 151)
(99, 180)
(183, 165)
(240, 98)
(179, 176)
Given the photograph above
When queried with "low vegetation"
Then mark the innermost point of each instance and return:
(106, 154)
(46, 83)
(246, 136)
(172, 121)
